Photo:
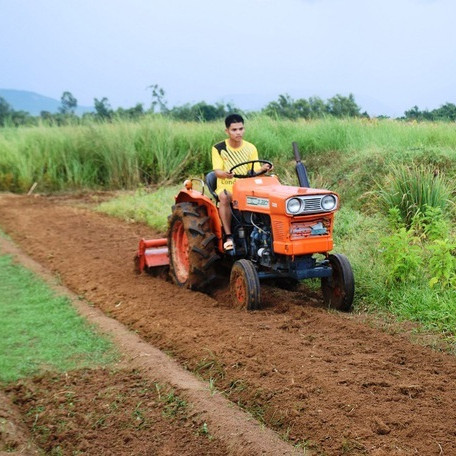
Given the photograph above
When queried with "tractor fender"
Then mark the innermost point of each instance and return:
(194, 196)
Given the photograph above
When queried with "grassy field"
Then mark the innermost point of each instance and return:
(41, 330)
(395, 180)
(155, 151)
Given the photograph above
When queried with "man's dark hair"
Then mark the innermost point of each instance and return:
(233, 118)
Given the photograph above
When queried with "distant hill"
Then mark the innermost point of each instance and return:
(34, 103)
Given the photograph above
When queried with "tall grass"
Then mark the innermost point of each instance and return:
(101, 156)
(123, 155)
(413, 189)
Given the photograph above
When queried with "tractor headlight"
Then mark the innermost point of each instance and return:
(293, 205)
(328, 202)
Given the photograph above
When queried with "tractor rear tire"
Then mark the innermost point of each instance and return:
(245, 285)
(191, 247)
(339, 289)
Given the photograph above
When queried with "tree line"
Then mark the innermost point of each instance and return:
(446, 112)
(285, 107)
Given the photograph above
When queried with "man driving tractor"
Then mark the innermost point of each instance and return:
(225, 155)
(276, 232)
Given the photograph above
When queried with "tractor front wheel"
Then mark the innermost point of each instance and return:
(191, 246)
(245, 285)
(339, 289)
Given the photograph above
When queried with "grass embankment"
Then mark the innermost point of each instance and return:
(401, 265)
(41, 330)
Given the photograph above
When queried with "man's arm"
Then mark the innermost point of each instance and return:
(254, 156)
(222, 174)
(218, 166)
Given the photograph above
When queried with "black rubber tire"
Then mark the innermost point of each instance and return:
(245, 285)
(194, 266)
(339, 289)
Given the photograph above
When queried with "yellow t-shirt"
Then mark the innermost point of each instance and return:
(225, 157)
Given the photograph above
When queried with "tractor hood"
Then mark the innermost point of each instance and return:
(266, 194)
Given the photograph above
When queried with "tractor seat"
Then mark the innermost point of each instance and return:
(211, 182)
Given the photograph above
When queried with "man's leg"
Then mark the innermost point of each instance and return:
(225, 211)
(225, 216)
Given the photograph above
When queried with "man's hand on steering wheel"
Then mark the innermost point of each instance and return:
(267, 166)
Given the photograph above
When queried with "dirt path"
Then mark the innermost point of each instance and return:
(326, 379)
(143, 364)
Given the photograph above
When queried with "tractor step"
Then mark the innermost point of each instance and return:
(152, 253)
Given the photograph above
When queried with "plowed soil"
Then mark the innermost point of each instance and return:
(337, 383)
(104, 412)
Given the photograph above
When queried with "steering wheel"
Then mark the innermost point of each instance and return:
(251, 172)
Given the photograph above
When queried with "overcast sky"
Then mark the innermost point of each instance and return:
(391, 54)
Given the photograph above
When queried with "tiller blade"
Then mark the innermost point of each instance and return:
(152, 253)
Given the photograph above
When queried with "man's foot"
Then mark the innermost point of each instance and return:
(228, 245)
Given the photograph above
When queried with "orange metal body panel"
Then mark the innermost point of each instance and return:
(287, 244)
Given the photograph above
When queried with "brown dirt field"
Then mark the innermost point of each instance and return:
(108, 412)
(15, 437)
(332, 380)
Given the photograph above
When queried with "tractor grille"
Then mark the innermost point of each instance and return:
(312, 204)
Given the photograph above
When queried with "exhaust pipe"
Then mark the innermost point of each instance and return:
(300, 168)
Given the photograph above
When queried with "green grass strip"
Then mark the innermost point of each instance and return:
(152, 209)
(41, 330)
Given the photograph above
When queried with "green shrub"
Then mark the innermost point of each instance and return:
(402, 255)
(425, 248)
(442, 263)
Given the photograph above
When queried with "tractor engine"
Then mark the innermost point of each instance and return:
(253, 237)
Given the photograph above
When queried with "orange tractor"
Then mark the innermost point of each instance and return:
(280, 232)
